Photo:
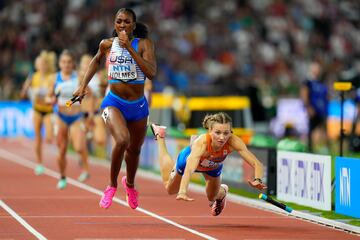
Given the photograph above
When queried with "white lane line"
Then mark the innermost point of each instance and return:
(21, 221)
(50, 197)
(256, 203)
(27, 163)
(143, 217)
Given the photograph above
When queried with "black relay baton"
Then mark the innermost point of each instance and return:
(72, 101)
(275, 203)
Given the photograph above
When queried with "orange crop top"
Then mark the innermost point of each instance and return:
(212, 159)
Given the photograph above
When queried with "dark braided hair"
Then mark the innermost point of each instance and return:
(140, 31)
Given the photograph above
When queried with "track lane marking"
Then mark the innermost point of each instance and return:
(27, 163)
(21, 221)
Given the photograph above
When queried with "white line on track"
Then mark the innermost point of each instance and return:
(132, 216)
(27, 163)
(255, 203)
(22, 221)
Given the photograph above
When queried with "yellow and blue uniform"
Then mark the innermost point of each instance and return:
(40, 86)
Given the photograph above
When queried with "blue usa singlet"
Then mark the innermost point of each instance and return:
(122, 67)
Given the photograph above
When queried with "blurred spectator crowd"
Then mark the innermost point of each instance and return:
(260, 48)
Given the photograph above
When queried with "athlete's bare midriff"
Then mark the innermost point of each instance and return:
(128, 91)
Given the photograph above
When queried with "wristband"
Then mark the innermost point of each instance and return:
(258, 179)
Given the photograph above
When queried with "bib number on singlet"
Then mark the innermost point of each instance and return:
(123, 72)
(208, 164)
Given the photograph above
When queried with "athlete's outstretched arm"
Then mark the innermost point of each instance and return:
(238, 145)
(25, 87)
(50, 98)
(94, 64)
(198, 148)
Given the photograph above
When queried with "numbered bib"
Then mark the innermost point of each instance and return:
(208, 164)
(122, 72)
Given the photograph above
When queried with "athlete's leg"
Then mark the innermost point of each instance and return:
(62, 142)
(78, 139)
(99, 131)
(37, 121)
(100, 136)
(173, 184)
(49, 129)
(213, 190)
(117, 126)
(166, 163)
(216, 193)
(137, 132)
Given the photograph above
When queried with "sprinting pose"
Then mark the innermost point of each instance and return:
(206, 155)
(39, 85)
(130, 59)
(69, 121)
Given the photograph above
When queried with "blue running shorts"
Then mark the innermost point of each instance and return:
(131, 110)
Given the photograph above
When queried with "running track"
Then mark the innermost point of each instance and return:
(32, 208)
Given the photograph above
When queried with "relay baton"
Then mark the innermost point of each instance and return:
(72, 101)
(275, 203)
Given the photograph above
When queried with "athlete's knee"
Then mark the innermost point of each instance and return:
(80, 149)
(133, 151)
(100, 141)
(121, 141)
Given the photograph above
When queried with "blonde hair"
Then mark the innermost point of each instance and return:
(49, 59)
(220, 117)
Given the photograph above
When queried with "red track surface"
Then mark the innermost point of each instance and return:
(73, 213)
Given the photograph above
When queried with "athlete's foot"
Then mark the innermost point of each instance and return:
(106, 200)
(219, 204)
(131, 194)
(61, 183)
(84, 176)
(39, 169)
(158, 131)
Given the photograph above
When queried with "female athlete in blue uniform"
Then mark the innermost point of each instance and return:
(130, 58)
(69, 121)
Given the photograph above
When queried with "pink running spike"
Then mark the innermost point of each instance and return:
(219, 204)
(158, 130)
(131, 194)
(106, 200)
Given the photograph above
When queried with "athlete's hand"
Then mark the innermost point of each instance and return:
(124, 39)
(80, 93)
(50, 100)
(184, 197)
(257, 183)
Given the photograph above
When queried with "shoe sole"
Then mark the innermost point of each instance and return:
(153, 131)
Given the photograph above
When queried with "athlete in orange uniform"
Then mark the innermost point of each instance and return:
(206, 155)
